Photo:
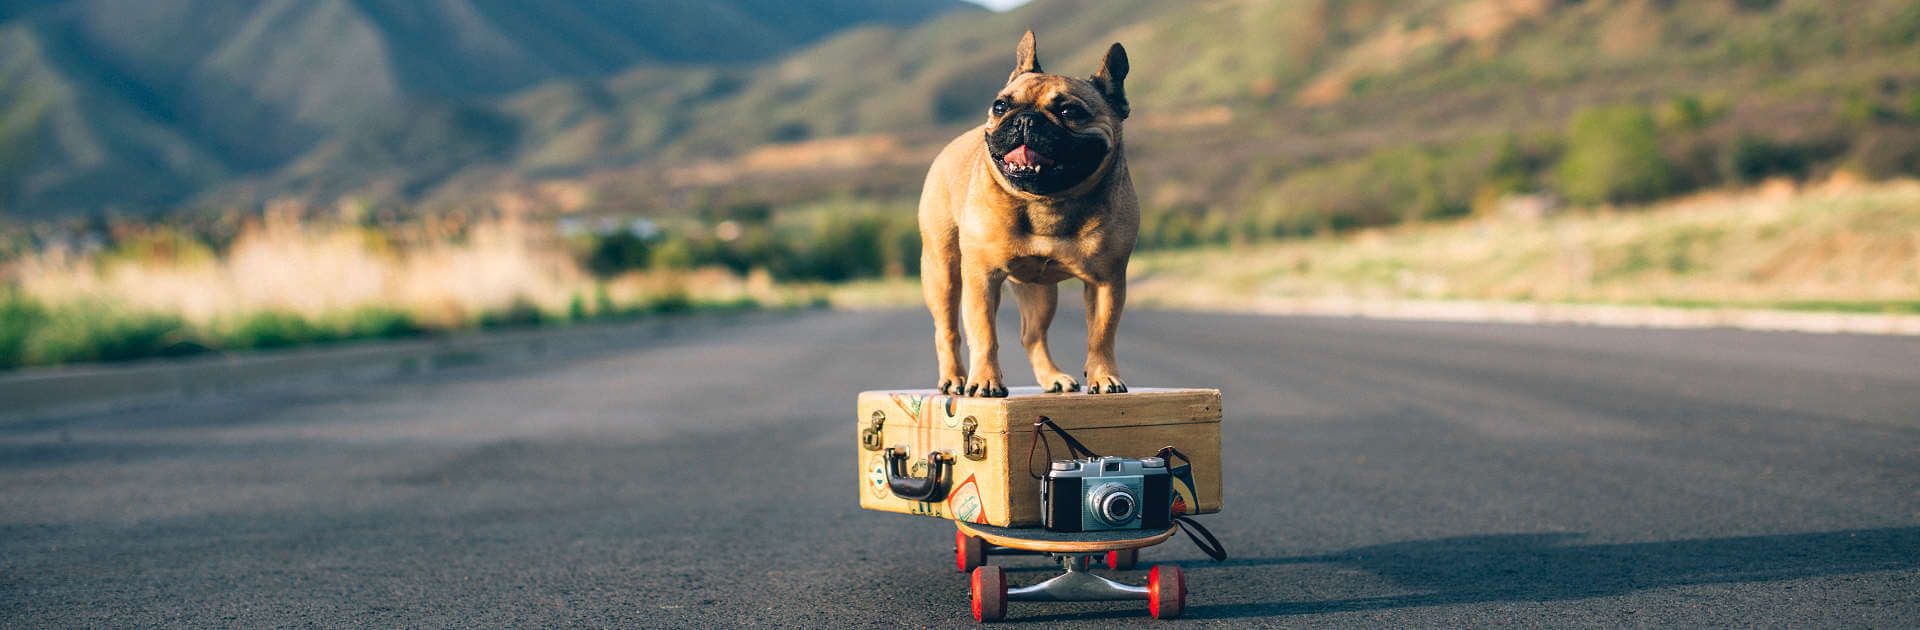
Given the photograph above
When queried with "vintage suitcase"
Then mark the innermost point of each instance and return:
(981, 473)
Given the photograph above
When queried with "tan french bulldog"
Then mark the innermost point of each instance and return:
(1038, 194)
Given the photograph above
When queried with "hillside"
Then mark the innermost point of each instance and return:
(1275, 116)
(136, 104)
(1371, 111)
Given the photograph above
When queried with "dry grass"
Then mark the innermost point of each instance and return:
(1837, 244)
(315, 269)
(1834, 246)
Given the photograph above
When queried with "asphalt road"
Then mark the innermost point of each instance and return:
(1379, 474)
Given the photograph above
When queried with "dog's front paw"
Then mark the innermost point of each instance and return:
(952, 385)
(1108, 384)
(1058, 382)
(987, 387)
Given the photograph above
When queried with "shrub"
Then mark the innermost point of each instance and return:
(903, 247)
(272, 329)
(1859, 107)
(846, 247)
(1688, 112)
(1752, 159)
(577, 308)
(522, 312)
(375, 322)
(1387, 186)
(673, 253)
(609, 254)
(673, 302)
(98, 331)
(1613, 155)
(20, 317)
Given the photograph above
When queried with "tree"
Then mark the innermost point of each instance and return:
(1613, 155)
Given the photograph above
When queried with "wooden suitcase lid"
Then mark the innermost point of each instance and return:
(1144, 406)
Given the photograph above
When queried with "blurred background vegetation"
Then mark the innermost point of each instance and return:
(166, 188)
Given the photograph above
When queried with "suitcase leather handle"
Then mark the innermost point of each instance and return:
(932, 487)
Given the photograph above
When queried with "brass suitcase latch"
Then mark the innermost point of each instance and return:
(870, 436)
(976, 446)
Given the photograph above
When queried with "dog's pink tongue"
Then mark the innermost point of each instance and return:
(1024, 156)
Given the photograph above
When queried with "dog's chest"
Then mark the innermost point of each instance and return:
(1038, 270)
(1055, 222)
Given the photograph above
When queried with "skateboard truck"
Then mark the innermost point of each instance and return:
(1076, 585)
(1165, 592)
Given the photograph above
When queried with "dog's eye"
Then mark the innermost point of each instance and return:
(1072, 112)
(999, 107)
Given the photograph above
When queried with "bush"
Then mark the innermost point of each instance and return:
(1752, 159)
(1860, 108)
(903, 247)
(99, 331)
(846, 247)
(611, 254)
(1385, 187)
(1167, 229)
(673, 253)
(1613, 156)
(374, 322)
(272, 329)
(20, 317)
(674, 302)
(522, 312)
(32, 333)
(1687, 112)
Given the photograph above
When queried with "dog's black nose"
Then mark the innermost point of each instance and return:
(1023, 123)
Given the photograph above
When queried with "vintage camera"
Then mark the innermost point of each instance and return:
(1082, 495)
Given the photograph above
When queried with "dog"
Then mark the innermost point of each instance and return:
(1038, 194)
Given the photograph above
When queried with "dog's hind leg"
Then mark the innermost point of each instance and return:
(1037, 303)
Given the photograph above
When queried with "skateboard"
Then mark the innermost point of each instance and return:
(1165, 592)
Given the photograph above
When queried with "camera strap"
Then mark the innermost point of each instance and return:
(1199, 534)
(1169, 451)
(1074, 446)
(1211, 546)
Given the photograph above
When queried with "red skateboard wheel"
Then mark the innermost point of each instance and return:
(989, 594)
(969, 552)
(1166, 592)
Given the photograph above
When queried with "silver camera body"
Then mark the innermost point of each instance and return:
(1102, 493)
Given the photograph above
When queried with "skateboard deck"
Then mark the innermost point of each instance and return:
(1040, 539)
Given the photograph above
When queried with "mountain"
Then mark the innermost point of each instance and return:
(137, 104)
(1370, 110)
(1366, 109)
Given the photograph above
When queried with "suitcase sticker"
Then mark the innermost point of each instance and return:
(965, 503)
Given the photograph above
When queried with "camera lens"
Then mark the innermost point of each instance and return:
(1119, 508)
(1113, 503)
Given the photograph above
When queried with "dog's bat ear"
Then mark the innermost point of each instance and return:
(1110, 80)
(1024, 59)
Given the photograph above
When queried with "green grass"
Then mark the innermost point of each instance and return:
(33, 333)
(280, 329)
(1875, 307)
